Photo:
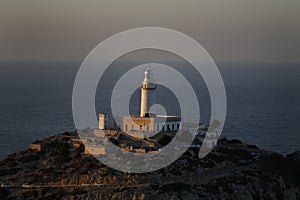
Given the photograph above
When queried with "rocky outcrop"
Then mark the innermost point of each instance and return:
(233, 170)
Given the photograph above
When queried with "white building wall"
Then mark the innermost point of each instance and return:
(103, 121)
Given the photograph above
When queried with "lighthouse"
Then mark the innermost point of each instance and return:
(146, 123)
(147, 93)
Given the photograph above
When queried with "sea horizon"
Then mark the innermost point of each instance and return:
(263, 103)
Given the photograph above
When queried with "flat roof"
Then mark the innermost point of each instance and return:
(167, 116)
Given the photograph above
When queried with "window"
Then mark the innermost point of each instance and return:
(177, 126)
(141, 127)
(168, 127)
(126, 127)
(157, 127)
(173, 127)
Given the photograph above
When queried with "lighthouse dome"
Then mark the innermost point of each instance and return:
(148, 79)
(147, 71)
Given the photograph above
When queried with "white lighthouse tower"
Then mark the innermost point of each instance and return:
(147, 123)
(147, 93)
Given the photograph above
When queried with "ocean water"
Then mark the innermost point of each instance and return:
(263, 103)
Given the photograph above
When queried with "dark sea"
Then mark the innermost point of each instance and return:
(263, 103)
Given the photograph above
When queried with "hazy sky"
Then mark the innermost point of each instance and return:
(230, 30)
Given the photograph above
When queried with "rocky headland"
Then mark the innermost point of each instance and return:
(233, 170)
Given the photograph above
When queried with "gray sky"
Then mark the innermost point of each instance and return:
(230, 30)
